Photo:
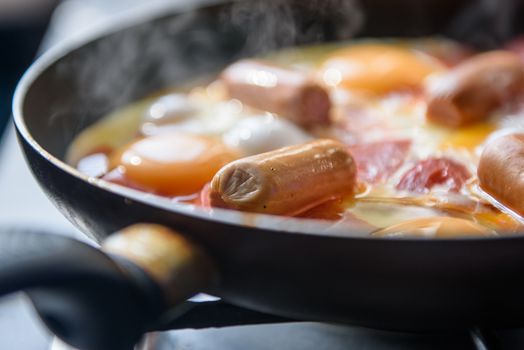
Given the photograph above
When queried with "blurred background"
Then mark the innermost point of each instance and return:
(22, 26)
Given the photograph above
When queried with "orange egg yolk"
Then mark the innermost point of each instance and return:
(378, 68)
(172, 164)
(468, 137)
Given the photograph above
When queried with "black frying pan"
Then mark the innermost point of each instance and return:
(300, 271)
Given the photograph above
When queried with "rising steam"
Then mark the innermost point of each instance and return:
(270, 25)
(132, 63)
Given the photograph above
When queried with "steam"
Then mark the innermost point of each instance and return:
(269, 25)
(133, 63)
(130, 64)
(126, 65)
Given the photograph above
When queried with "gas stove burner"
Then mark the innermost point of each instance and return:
(312, 336)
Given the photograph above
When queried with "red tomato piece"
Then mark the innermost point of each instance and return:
(434, 171)
(377, 161)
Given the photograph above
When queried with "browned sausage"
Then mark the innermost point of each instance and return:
(286, 181)
(475, 88)
(501, 168)
(288, 93)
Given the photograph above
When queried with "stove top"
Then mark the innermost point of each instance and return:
(305, 336)
(314, 336)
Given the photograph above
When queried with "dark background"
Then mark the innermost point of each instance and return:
(20, 37)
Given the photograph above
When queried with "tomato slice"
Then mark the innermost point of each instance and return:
(377, 161)
(432, 172)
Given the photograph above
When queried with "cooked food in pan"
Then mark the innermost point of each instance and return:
(412, 138)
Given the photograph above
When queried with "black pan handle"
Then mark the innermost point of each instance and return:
(103, 300)
(106, 299)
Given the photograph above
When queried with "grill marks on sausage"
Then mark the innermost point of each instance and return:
(243, 185)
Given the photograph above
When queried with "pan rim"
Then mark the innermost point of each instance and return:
(141, 15)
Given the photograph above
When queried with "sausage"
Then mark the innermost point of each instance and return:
(500, 170)
(435, 227)
(285, 92)
(474, 89)
(286, 181)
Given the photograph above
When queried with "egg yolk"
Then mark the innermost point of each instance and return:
(378, 68)
(172, 164)
(469, 137)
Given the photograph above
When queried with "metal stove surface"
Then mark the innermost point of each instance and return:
(315, 336)
(304, 336)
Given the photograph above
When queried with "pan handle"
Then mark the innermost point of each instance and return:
(106, 299)
(95, 299)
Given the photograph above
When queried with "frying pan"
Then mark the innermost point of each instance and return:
(278, 268)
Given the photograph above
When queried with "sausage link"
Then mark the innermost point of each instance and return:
(500, 170)
(288, 93)
(287, 181)
(474, 89)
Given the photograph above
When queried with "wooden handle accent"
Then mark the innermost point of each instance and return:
(179, 267)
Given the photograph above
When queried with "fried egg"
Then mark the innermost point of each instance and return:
(378, 68)
(172, 164)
